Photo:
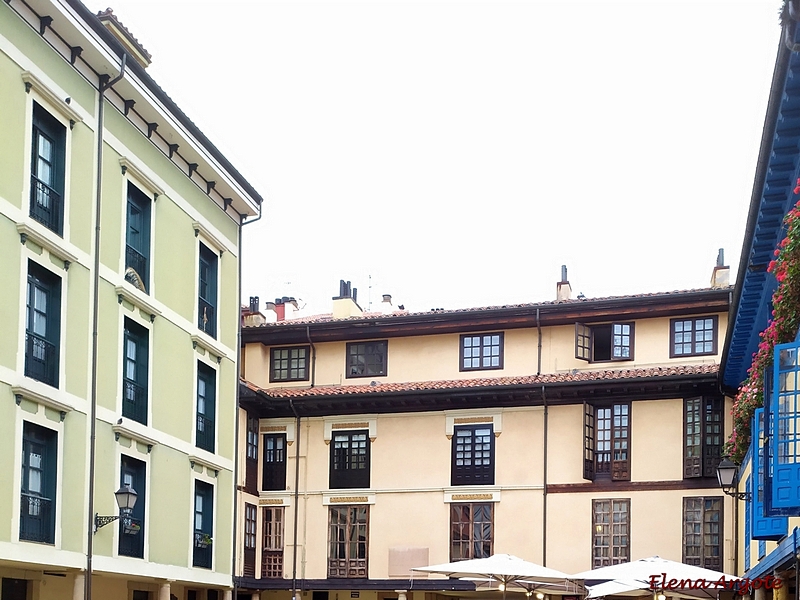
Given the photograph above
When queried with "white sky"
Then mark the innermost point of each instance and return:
(460, 152)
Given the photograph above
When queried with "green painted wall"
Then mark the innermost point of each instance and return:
(109, 345)
(81, 187)
(226, 409)
(73, 482)
(171, 501)
(175, 256)
(10, 282)
(223, 540)
(78, 329)
(106, 483)
(229, 299)
(172, 397)
(112, 210)
(7, 425)
(12, 124)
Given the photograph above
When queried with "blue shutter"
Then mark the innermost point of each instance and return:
(747, 536)
(763, 527)
(784, 424)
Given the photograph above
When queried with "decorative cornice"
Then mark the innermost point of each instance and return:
(127, 292)
(30, 231)
(209, 346)
(21, 391)
(127, 166)
(120, 429)
(200, 229)
(204, 462)
(31, 81)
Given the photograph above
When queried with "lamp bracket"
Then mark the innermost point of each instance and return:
(103, 521)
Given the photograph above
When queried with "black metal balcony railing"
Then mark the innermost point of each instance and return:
(46, 205)
(207, 317)
(36, 522)
(41, 359)
(131, 537)
(205, 433)
(134, 401)
(138, 262)
(203, 550)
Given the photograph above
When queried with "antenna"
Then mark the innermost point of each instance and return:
(369, 295)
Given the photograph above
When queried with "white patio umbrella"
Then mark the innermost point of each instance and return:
(633, 578)
(504, 569)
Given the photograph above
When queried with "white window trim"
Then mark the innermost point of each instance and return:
(136, 317)
(129, 178)
(454, 419)
(355, 422)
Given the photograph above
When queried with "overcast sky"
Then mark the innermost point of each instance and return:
(456, 154)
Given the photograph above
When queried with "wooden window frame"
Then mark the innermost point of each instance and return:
(202, 555)
(251, 455)
(137, 199)
(616, 448)
(347, 468)
(249, 540)
(273, 461)
(379, 348)
(207, 290)
(585, 341)
(46, 125)
(47, 367)
(693, 321)
(482, 346)
(37, 521)
(472, 474)
(464, 529)
(272, 520)
(706, 555)
(205, 422)
(608, 532)
(341, 563)
(703, 436)
(133, 472)
(138, 386)
(276, 370)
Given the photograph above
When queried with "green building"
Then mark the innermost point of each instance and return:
(120, 227)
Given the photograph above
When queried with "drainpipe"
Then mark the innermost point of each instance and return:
(296, 494)
(544, 488)
(539, 356)
(104, 85)
(313, 356)
(235, 540)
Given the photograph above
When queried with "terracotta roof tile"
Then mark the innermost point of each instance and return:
(457, 384)
(328, 317)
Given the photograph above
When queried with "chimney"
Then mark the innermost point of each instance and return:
(386, 304)
(270, 312)
(563, 288)
(132, 46)
(280, 309)
(345, 305)
(251, 317)
(721, 275)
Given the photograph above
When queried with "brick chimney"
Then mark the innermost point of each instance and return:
(721, 275)
(563, 288)
(280, 307)
(345, 304)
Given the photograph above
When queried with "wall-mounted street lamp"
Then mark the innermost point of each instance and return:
(126, 499)
(727, 473)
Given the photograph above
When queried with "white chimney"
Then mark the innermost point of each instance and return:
(386, 305)
(721, 275)
(563, 288)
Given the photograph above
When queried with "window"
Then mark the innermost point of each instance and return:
(702, 532)
(611, 532)
(470, 531)
(367, 359)
(249, 568)
(600, 343)
(606, 452)
(289, 364)
(135, 364)
(203, 524)
(37, 499)
(251, 464)
(472, 455)
(347, 541)
(693, 337)
(702, 449)
(481, 352)
(14, 589)
(206, 406)
(131, 529)
(43, 325)
(207, 292)
(47, 170)
(272, 549)
(273, 476)
(350, 459)
(137, 239)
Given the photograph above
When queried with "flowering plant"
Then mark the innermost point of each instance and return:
(782, 328)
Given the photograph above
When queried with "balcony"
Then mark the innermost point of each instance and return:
(138, 262)
(134, 401)
(47, 205)
(36, 523)
(131, 537)
(207, 317)
(203, 550)
(205, 433)
(41, 359)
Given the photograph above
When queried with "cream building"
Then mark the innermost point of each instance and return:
(574, 433)
(120, 228)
